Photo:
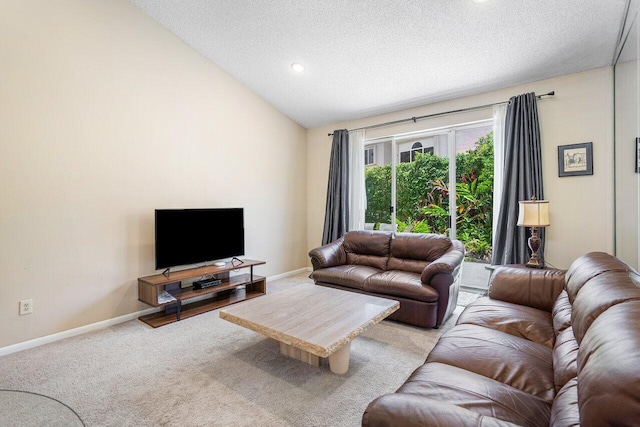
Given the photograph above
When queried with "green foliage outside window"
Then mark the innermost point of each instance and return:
(422, 188)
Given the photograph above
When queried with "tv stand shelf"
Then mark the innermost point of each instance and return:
(232, 289)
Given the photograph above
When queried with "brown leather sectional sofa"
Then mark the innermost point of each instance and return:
(421, 271)
(546, 348)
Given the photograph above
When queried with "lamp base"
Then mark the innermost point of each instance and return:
(535, 263)
(534, 245)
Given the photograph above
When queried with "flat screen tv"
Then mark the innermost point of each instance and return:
(191, 236)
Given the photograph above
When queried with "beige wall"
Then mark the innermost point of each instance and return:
(581, 208)
(105, 116)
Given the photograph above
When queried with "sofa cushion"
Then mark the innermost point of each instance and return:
(519, 320)
(367, 248)
(561, 313)
(564, 411)
(350, 276)
(425, 247)
(412, 265)
(477, 393)
(599, 294)
(565, 356)
(522, 364)
(589, 266)
(401, 284)
(412, 410)
(527, 286)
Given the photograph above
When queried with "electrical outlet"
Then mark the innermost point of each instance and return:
(26, 306)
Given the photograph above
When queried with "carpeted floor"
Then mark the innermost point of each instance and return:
(204, 371)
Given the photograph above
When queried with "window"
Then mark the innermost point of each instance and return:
(416, 147)
(369, 158)
(437, 194)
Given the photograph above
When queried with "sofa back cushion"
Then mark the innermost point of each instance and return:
(565, 411)
(609, 368)
(513, 284)
(565, 356)
(599, 295)
(370, 248)
(561, 313)
(589, 266)
(595, 282)
(414, 251)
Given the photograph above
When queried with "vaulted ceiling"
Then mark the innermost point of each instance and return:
(368, 57)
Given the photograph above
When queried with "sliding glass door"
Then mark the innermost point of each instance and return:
(408, 184)
(379, 184)
(474, 189)
(422, 183)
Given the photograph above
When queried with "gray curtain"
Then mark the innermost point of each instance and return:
(522, 179)
(336, 216)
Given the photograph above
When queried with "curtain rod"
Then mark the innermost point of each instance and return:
(415, 119)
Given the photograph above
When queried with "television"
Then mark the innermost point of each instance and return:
(191, 236)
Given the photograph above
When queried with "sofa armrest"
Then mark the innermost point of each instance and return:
(329, 255)
(527, 286)
(413, 410)
(447, 263)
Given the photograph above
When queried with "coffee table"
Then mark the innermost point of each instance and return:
(312, 322)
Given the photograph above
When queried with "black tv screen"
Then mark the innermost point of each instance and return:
(190, 236)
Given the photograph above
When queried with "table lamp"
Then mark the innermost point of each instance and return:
(534, 213)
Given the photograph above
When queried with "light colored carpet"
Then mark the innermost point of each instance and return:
(204, 371)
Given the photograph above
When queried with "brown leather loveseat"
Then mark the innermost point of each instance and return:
(421, 271)
(546, 348)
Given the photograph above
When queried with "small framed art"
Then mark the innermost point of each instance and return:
(575, 159)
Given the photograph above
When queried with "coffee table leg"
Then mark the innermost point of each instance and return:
(299, 354)
(339, 360)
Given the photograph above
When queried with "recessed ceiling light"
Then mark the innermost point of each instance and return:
(298, 68)
(479, 1)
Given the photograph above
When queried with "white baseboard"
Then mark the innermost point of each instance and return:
(75, 331)
(289, 273)
(110, 322)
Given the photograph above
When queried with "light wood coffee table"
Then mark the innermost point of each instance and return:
(312, 322)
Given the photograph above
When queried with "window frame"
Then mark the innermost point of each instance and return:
(371, 149)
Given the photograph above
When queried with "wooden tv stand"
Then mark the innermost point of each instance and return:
(232, 289)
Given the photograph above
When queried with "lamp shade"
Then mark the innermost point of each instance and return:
(533, 213)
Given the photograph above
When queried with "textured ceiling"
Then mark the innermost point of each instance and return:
(368, 57)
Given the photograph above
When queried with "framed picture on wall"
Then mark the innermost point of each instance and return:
(575, 159)
(637, 155)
